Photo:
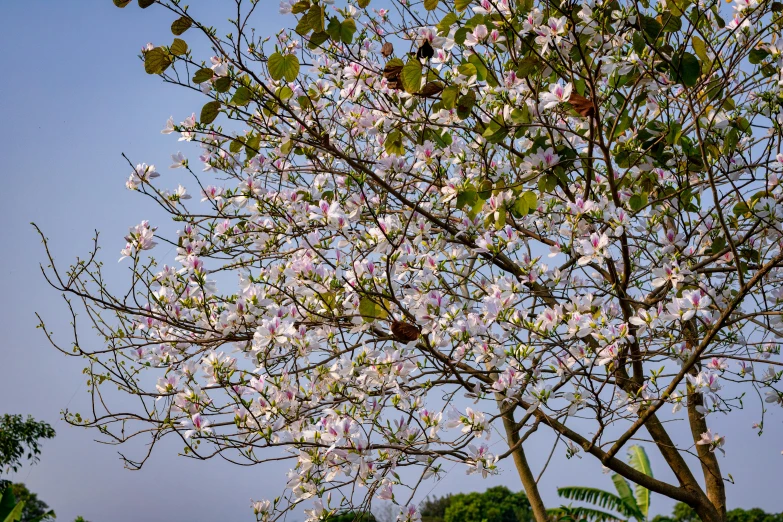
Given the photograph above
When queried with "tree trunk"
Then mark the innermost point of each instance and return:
(523, 469)
(713, 480)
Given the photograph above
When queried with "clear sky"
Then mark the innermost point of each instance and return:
(74, 97)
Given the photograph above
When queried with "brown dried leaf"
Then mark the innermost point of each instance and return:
(387, 49)
(404, 331)
(581, 104)
(425, 52)
(392, 71)
(430, 89)
(393, 74)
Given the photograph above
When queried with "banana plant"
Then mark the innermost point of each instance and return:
(11, 510)
(626, 504)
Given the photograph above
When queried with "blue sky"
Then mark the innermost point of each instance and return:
(74, 97)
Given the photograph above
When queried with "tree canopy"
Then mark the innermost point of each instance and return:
(424, 223)
(352, 516)
(496, 504)
(684, 513)
(20, 439)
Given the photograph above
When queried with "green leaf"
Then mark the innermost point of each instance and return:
(730, 142)
(380, 312)
(485, 189)
(300, 7)
(637, 459)
(303, 27)
(638, 42)
(370, 310)
(179, 47)
(411, 76)
(180, 25)
(687, 68)
(251, 145)
(476, 207)
(581, 514)
(285, 93)
(236, 145)
(430, 5)
(242, 96)
(328, 299)
(465, 105)
(671, 23)
(7, 502)
(347, 30)
(315, 18)
(393, 143)
(718, 244)
(597, 497)
(445, 24)
(444, 139)
(467, 197)
(500, 219)
(363, 3)
(629, 502)
(156, 61)
(222, 84)
(209, 112)
(651, 27)
(481, 70)
(281, 66)
(468, 70)
(495, 132)
(497, 136)
(121, 3)
(547, 183)
(316, 39)
(203, 75)
(10, 509)
(531, 199)
(520, 208)
(700, 48)
(460, 35)
(740, 209)
(521, 115)
(461, 5)
(527, 66)
(145, 3)
(757, 56)
(334, 28)
(623, 124)
(674, 134)
(678, 7)
(16, 513)
(449, 97)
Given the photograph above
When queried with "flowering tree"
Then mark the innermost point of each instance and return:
(569, 212)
